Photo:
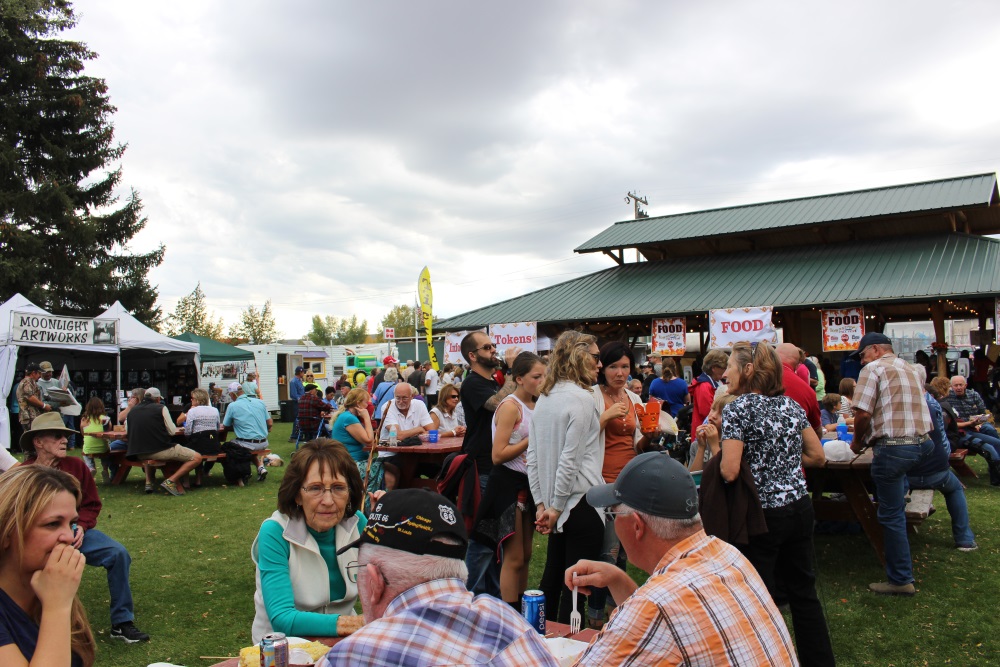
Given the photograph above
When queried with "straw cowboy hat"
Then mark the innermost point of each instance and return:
(50, 421)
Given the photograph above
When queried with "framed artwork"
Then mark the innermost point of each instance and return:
(77, 377)
(93, 377)
(145, 379)
(107, 377)
(133, 379)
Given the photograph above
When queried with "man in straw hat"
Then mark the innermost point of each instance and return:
(704, 603)
(46, 443)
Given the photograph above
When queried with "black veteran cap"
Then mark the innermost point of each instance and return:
(410, 519)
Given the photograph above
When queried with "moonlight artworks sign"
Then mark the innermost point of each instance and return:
(33, 328)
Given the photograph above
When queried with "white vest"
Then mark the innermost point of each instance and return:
(309, 572)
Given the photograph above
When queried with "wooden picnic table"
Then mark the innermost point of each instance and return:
(408, 459)
(552, 629)
(853, 479)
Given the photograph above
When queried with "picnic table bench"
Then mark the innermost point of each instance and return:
(957, 461)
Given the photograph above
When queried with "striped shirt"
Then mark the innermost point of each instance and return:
(440, 623)
(704, 604)
(890, 391)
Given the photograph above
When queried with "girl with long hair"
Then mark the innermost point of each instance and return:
(42, 622)
(565, 459)
(507, 513)
(773, 433)
(92, 421)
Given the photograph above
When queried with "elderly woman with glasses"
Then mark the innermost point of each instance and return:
(772, 433)
(303, 587)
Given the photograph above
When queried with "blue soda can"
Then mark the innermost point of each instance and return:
(533, 610)
(274, 650)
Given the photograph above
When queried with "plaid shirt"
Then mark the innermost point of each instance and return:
(890, 391)
(311, 408)
(440, 623)
(704, 604)
(968, 405)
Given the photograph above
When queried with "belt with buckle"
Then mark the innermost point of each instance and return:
(905, 440)
(254, 442)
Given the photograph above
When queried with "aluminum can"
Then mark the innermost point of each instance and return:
(533, 610)
(274, 650)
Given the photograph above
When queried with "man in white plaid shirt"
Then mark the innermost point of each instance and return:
(891, 417)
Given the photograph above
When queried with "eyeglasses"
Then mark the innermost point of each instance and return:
(317, 490)
(403, 399)
(597, 357)
(488, 346)
(611, 514)
(352, 571)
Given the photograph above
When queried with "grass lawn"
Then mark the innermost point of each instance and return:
(193, 580)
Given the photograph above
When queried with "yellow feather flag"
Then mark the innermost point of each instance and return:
(427, 315)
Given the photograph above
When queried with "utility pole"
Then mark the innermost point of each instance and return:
(635, 200)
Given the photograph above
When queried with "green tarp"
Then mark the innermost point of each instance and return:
(214, 351)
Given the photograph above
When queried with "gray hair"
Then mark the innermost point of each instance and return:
(404, 570)
(664, 528)
(391, 374)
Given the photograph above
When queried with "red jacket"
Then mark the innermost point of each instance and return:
(800, 392)
(90, 503)
(702, 396)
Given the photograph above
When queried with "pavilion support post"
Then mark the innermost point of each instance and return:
(793, 326)
(937, 317)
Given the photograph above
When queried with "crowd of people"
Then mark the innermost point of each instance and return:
(555, 446)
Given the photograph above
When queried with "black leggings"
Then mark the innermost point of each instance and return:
(581, 538)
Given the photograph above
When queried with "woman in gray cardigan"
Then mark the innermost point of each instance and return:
(565, 459)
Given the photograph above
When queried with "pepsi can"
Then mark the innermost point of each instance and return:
(274, 650)
(533, 610)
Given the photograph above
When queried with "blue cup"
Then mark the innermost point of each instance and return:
(432, 436)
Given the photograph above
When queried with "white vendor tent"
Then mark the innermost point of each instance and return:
(137, 344)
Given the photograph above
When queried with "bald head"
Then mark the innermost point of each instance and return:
(403, 390)
(958, 385)
(788, 353)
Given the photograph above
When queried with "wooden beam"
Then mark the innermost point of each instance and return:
(617, 259)
(950, 217)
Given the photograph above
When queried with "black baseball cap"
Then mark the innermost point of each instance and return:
(409, 519)
(870, 338)
(32, 367)
(652, 483)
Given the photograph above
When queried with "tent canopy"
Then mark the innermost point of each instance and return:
(20, 303)
(212, 351)
(134, 335)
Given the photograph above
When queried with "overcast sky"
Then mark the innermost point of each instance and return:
(319, 154)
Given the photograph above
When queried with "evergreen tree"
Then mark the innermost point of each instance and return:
(192, 316)
(64, 231)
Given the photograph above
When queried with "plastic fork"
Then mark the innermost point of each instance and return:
(575, 619)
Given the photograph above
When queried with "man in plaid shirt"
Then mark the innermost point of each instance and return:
(411, 580)
(891, 417)
(703, 604)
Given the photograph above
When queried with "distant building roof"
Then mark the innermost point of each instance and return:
(900, 269)
(965, 204)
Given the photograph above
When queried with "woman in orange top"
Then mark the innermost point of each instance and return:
(622, 439)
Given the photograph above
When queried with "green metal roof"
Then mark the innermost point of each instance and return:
(885, 270)
(213, 351)
(952, 193)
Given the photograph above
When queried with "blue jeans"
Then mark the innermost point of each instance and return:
(70, 437)
(889, 467)
(481, 560)
(954, 497)
(987, 447)
(102, 551)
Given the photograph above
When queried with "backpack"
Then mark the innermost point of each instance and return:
(458, 481)
(236, 465)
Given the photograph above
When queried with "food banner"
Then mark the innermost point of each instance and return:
(515, 334)
(427, 315)
(453, 346)
(733, 325)
(842, 328)
(29, 328)
(670, 336)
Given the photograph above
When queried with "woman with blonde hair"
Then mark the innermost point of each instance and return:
(565, 459)
(352, 427)
(447, 415)
(42, 622)
(773, 433)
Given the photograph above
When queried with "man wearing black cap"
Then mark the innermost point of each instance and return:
(891, 417)
(411, 581)
(704, 603)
